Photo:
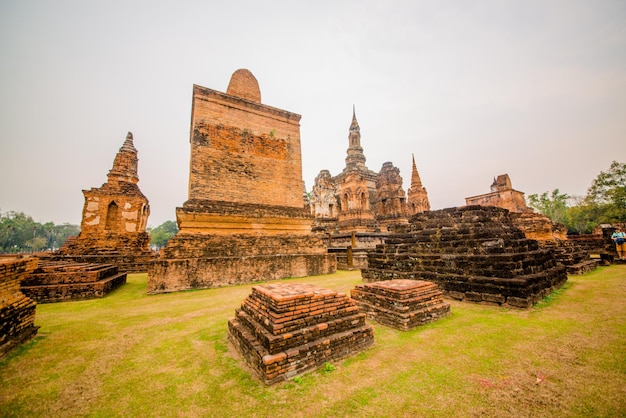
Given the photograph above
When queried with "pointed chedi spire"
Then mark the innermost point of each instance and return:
(125, 163)
(417, 197)
(416, 182)
(355, 151)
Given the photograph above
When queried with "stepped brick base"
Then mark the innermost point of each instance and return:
(283, 330)
(57, 281)
(130, 253)
(401, 304)
(474, 253)
(17, 311)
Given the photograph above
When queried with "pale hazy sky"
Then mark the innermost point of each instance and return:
(535, 89)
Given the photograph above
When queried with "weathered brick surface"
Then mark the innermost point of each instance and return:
(401, 304)
(243, 151)
(17, 311)
(502, 195)
(283, 330)
(473, 253)
(59, 281)
(245, 219)
(113, 227)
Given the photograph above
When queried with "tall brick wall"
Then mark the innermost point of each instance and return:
(243, 151)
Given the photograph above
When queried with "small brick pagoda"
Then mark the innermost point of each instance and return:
(113, 227)
(473, 253)
(245, 218)
(285, 329)
(60, 281)
(17, 311)
(402, 304)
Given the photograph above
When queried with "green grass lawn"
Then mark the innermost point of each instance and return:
(130, 354)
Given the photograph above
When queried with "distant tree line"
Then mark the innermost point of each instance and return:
(605, 202)
(19, 233)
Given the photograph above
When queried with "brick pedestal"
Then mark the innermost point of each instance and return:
(283, 330)
(401, 304)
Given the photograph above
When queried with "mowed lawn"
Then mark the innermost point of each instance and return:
(168, 355)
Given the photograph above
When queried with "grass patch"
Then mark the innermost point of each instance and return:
(130, 354)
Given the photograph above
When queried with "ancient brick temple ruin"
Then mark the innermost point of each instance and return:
(113, 226)
(354, 208)
(502, 195)
(244, 220)
(61, 281)
(286, 329)
(402, 304)
(474, 253)
(537, 226)
(17, 311)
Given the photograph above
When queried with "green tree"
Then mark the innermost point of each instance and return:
(582, 217)
(608, 194)
(553, 205)
(160, 235)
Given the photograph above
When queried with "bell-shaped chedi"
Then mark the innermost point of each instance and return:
(113, 226)
(244, 219)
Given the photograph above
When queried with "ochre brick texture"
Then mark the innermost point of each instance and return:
(17, 311)
(401, 304)
(283, 330)
(244, 220)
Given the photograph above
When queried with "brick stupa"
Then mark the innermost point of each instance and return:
(474, 253)
(245, 219)
(401, 304)
(283, 330)
(113, 226)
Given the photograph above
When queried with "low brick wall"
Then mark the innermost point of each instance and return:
(17, 311)
(401, 304)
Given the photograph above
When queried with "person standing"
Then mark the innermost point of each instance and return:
(620, 242)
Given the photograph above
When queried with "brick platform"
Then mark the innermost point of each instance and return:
(59, 281)
(283, 330)
(401, 304)
(17, 312)
(474, 253)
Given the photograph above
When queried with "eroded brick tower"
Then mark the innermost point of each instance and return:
(115, 216)
(244, 220)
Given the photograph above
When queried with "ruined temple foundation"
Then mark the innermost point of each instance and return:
(60, 281)
(474, 253)
(17, 311)
(401, 304)
(283, 330)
